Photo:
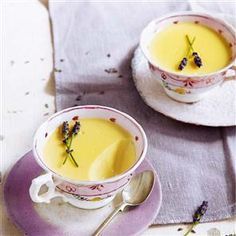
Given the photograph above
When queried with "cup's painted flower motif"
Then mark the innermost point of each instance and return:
(163, 76)
(70, 189)
(189, 82)
(180, 91)
(80, 197)
(97, 187)
(93, 199)
(96, 199)
(165, 84)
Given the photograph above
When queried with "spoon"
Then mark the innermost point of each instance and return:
(134, 194)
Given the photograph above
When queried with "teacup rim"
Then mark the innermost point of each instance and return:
(93, 182)
(182, 13)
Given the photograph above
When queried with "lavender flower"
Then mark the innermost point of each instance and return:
(65, 131)
(76, 128)
(200, 212)
(197, 59)
(198, 215)
(183, 63)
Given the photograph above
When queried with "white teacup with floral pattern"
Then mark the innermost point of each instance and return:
(189, 88)
(84, 194)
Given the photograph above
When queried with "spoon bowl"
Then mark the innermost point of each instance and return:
(139, 188)
(134, 194)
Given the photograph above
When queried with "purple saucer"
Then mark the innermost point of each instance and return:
(59, 218)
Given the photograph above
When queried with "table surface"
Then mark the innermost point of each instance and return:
(29, 98)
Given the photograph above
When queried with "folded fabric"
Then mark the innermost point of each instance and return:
(94, 43)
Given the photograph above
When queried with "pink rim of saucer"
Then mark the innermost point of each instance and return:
(23, 214)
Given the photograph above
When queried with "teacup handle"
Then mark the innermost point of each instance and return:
(231, 77)
(46, 197)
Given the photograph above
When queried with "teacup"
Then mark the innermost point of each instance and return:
(84, 194)
(189, 88)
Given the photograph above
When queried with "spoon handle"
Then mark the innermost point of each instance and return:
(109, 219)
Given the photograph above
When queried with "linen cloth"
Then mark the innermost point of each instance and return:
(94, 39)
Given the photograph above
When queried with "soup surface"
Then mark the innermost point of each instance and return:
(169, 46)
(102, 149)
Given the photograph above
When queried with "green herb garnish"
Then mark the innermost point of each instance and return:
(67, 139)
(190, 43)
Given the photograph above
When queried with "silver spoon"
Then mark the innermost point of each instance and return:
(134, 194)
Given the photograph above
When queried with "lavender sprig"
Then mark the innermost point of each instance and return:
(200, 212)
(197, 59)
(198, 215)
(67, 137)
(184, 61)
(74, 132)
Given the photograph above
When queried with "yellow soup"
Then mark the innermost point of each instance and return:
(102, 149)
(170, 46)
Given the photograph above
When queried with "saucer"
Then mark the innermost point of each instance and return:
(59, 218)
(217, 109)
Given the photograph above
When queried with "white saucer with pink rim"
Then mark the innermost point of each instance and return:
(217, 109)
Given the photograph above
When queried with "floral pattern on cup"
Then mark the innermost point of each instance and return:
(186, 82)
(178, 90)
(92, 191)
(183, 90)
(185, 85)
(94, 199)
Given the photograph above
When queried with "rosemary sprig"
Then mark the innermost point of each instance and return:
(67, 139)
(197, 216)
